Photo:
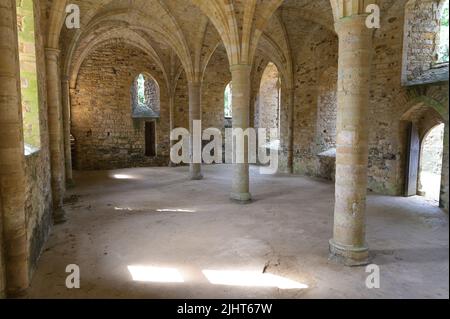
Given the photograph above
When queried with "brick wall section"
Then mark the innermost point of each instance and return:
(181, 103)
(266, 110)
(421, 40)
(327, 110)
(216, 78)
(106, 135)
(310, 63)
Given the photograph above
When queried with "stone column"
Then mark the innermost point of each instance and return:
(12, 158)
(66, 120)
(443, 202)
(194, 114)
(2, 257)
(55, 127)
(240, 74)
(290, 116)
(171, 120)
(355, 55)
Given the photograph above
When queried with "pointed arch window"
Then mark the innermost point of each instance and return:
(145, 96)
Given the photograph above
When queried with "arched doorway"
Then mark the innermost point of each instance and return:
(430, 166)
(424, 127)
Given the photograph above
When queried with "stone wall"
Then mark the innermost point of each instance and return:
(106, 135)
(315, 55)
(327, 111)
(267, 106)
(312, 61)
(421, 36)
(389, 102)
(217, 76)
(181, 102)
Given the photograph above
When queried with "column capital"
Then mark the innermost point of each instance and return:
(346, 8)
(196, 84)
(52, 52)
(353, 24)
(65, 79)
(235, 67)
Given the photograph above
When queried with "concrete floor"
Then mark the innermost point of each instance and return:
(155, 217)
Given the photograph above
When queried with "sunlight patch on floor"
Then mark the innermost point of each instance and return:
(155, 274)
(250, 279)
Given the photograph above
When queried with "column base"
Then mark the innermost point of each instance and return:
(16, 294)
(172, 164)
(196, 177)
(59, 216)
(70, 183)
(242, 198)
(349, 255)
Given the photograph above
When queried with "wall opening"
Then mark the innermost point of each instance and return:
(28, 76)
(268, 110)
(145, 97)
(430, 167)
(228, 101)
(150, 139)
(424, 153)
(443, 40)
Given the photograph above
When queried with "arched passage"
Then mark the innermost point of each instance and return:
(430, 166)
(423, 126)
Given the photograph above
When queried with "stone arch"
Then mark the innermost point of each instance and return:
(165, 30)
(424, 112)
(119, 32)
(113, 103)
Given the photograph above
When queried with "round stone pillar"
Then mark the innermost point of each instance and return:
(355, 55)
(290, 111)
(55, 127)
(66, 119)
(12, 159)
(195, 115)
(240, 74)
